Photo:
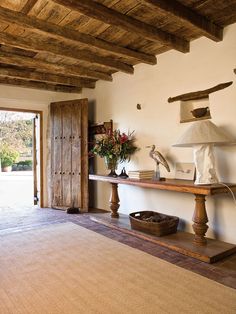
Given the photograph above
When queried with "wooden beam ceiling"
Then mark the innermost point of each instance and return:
(109, 16)
(13, 59)
(97, 38)
(28, 6)
(39, 85)
(30, 75)
(69, 35)
(38, 45)
(181, 12)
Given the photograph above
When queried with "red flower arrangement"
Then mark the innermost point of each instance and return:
(115, 145)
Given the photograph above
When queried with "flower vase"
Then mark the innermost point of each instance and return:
(111, 164)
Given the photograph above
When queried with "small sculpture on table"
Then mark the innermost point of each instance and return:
(159, 159)
(123, 174)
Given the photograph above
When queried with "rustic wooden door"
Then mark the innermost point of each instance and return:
(69, 154)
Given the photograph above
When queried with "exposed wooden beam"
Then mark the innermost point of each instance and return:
(28, 6)
(180, 11)
(199, 94)
(109, 16)
(13, 59)
(39, 85)
(38, 45)
(69, 35)
(29, 75)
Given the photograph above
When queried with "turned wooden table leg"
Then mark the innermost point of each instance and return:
(114, 200)
(200, 220)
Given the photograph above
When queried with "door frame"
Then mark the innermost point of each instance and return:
(40, 113)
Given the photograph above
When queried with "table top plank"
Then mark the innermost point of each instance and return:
(185, 186)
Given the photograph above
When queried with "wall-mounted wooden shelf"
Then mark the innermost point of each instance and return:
(199, 94)
(194, 100)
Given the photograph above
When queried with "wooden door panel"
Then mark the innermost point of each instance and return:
(56, 156)
(84, 155)
(66, 158)
(76, 153)
(69, 154)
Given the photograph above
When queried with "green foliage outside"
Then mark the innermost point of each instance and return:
(15, 137)
(8, 156)
(17, 134)
(24, 165)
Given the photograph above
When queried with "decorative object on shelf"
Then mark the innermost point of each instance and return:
(200, 112)
(184, 170)
(123, 174)
(196, 100)
(193, 110)
(115, 147)
(159, 159)
(141, 174)
(154, 223)
(111, 164)
(202, 136)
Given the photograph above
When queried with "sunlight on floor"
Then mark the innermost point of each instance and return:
(16, 189)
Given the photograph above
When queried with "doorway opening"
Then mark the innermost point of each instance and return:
(20, 158)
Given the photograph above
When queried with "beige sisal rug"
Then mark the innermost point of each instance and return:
(68, 269)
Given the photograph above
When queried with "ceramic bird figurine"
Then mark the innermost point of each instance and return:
(159, 159)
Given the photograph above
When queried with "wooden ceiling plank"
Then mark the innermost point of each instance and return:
(127, 23)
(13, 59)
(38, 45)
(44, 77)
(39, 85)
(28, 6)
(69, 35)
(180, 11)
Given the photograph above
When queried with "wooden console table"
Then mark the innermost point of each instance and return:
(200, 219)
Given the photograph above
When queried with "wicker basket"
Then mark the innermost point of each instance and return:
(166, 225)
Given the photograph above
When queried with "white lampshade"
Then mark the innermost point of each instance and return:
(202, 136)
(202, 132)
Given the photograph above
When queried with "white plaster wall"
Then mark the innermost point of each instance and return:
(207, 65)
(32, 99)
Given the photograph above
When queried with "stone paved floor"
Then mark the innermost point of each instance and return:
(25, 218)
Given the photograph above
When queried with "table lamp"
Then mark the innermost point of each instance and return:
(202, 136)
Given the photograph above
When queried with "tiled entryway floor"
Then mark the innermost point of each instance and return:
(25, 218)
